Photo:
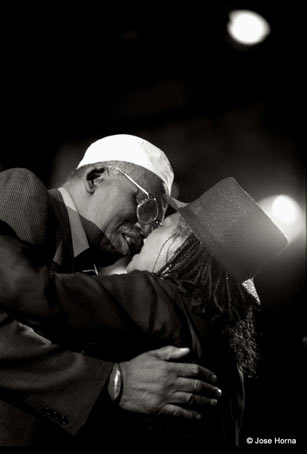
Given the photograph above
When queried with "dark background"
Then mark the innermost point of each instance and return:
(172, 76)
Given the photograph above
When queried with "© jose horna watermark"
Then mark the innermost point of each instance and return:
(270, 441)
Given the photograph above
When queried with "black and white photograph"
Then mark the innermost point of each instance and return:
(182, 326)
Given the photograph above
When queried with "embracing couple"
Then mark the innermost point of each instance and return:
(154, 357)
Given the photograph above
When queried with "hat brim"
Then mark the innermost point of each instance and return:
(175, 203)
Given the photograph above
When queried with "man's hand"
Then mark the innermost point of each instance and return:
(153, 383)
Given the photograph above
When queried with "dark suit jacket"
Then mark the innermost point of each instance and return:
(130, 314)
(45, 391)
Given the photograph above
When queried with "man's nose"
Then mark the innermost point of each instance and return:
(146, 229)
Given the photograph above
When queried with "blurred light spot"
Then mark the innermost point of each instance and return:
(285, 213)
(285, 209)
(247, 27)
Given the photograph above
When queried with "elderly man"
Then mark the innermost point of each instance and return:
(110, 202)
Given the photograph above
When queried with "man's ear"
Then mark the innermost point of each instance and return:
(93, 178)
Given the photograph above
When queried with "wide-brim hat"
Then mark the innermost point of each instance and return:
(234, 229)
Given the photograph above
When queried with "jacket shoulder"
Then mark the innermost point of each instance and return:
(21, 178)
(25, 204)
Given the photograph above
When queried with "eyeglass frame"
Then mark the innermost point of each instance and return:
(148, 196)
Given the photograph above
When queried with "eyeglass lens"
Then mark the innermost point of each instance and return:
(148, 210)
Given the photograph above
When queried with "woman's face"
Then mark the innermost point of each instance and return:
(158, 247)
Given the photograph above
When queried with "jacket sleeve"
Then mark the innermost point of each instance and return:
(122, 314)
(56, 384)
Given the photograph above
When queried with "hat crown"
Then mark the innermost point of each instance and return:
(133, 149)
(235, 230)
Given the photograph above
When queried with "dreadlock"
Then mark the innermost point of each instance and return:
(226, 303)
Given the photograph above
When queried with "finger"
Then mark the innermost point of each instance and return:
(192, 400)
(179, 412)
(192, 385)
(197, 371)
(168, 353)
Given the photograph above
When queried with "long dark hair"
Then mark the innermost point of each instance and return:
(228, 307)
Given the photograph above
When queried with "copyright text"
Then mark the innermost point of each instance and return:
(270, 441)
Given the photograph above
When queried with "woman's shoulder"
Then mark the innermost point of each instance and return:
(152, 281)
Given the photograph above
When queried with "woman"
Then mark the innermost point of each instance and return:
(189, 286)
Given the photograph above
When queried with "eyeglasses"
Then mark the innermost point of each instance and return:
(150, 210)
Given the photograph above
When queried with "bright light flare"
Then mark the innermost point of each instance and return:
(247, 27)
(286, 213)
(285, 209)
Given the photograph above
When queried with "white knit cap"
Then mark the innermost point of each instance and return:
(124, 147)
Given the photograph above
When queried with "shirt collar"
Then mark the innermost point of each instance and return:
(78, 236)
